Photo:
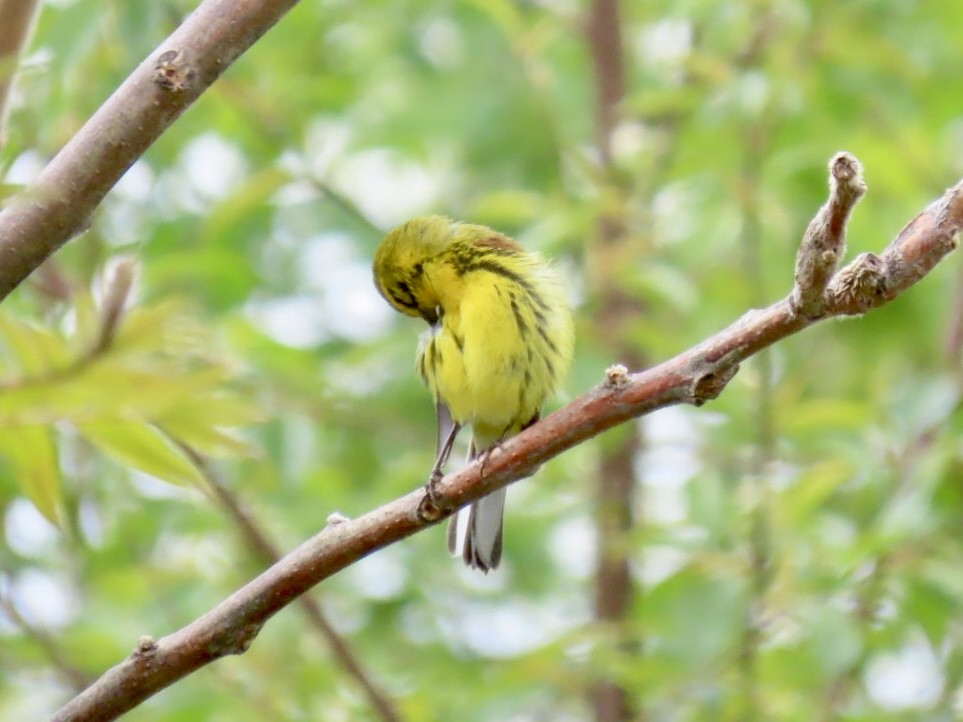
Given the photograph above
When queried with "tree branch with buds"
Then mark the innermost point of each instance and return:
(58, 205)
(694, 377)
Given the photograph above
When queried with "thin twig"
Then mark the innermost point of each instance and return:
(694, 377)
(824, 243)
(71, 673)
(259, 543)
(346, 205)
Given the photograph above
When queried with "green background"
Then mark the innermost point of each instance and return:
(797, 544)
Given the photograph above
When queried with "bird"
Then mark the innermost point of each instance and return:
(499, 343)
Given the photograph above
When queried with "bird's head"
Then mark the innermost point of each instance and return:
(399, 264)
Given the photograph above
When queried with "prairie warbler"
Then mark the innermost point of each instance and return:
(500, 341)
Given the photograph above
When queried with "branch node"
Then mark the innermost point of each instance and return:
(824, 243)
(335, 518)
(430, 512)
(859, 287)
(146, 646)
(616, 376)
(173, 72)
(709, 385)
(234, 641)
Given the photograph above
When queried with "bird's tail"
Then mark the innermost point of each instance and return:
(482, 547)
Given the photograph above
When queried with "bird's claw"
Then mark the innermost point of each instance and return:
(431, 488)
(486, 454)
(432, 508)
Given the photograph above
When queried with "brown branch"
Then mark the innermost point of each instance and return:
(824, 243)
(18, 17)
(694, 376)
(257, 540)
(59, 203)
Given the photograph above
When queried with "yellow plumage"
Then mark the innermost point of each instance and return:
(500, 341)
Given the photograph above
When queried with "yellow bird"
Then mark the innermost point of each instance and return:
(500, 342)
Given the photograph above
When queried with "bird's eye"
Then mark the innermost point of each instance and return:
(402, 295)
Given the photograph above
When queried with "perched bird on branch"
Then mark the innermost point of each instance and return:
(500, 341)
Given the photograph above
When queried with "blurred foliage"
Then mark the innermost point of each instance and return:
(799, 540)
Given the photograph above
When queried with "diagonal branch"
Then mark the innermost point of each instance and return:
(58, 205)
(265, 549)
(694, 376)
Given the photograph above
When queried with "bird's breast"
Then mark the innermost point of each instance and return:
(487, 363)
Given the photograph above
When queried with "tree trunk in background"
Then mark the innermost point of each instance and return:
(610, 700)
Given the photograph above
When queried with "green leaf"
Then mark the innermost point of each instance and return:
(208, 440)
(700, 613)
(798, 504)
(835, 640)
(36, 350)
(827, 414)
(504, 14)
(141, 446)
(930, 606)
(239, 209)
(502, 208)
(32, 455)
(106, 392)
(213, 409)
(144, 327)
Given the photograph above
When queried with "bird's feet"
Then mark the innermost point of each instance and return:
(433, 507)
(485, 455)
(431, 488)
